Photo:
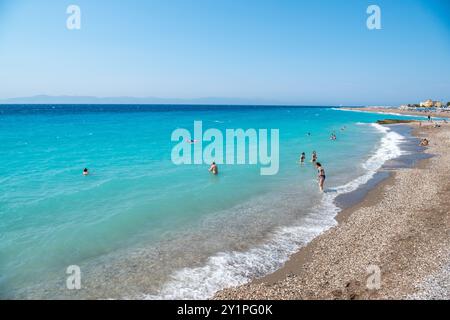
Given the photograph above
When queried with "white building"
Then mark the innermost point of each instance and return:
(430, 104)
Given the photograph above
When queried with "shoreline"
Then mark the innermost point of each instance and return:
(396, 111)
(391, 228)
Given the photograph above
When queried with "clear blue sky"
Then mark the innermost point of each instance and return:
(307, 52)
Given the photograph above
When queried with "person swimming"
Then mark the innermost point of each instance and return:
(333, 137)
(85, 172)
(302, 158)
(314, 157)
(321, 175)
(214, 169)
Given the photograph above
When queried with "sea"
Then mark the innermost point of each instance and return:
(143, 227)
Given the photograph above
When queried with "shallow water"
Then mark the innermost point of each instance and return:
(142, 227)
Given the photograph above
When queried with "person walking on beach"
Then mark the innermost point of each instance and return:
(314, 157)
(214, 169)
(302, 158)
(321, 175)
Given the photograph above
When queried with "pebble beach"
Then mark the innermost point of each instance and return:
(398, 235)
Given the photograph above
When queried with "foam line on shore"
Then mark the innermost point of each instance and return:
(229, 269)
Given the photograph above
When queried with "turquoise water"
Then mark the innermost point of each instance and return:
(140, 226)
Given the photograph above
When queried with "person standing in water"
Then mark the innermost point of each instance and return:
(302, 158)
(85, 172)
(321, 175)
(214, 169)
(314, 157)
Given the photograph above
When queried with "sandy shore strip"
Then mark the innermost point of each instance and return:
(401, 228)
(400, 112)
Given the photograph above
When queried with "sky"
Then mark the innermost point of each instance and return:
(293, 51)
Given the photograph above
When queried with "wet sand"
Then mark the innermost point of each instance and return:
(401, 228)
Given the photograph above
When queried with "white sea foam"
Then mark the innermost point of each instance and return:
(228, 269)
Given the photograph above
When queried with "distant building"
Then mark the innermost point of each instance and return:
(430, 104)
(427, 104)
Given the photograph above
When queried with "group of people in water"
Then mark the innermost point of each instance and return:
(320, 170)
(214, 169)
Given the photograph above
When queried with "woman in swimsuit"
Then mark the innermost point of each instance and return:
(302, 158)
(321, 175)
(314, 157)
